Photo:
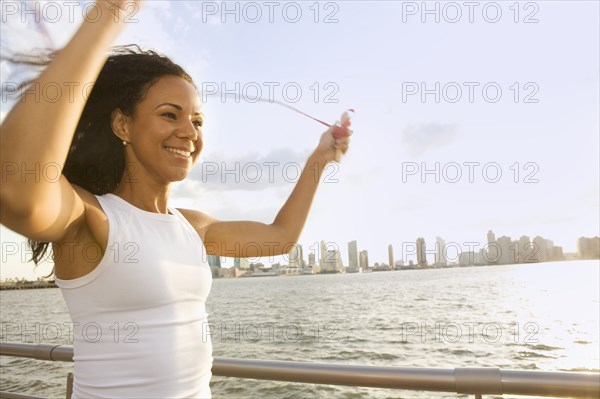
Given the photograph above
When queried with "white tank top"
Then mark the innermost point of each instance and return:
(140, 327)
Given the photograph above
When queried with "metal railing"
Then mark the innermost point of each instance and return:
(474, 381)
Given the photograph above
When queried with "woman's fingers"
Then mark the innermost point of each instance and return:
(131, 6)
(339, 131)
(342, 144)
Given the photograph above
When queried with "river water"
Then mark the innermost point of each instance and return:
(524, 317)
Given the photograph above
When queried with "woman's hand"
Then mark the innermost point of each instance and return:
(335, 138)
(120, 4)
(116, 10)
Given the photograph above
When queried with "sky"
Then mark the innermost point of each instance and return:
(469, 117)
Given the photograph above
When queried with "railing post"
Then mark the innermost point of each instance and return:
(69, 385)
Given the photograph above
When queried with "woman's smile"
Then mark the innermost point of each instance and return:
(179, 154)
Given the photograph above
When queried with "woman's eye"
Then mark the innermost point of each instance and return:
(170, 115)
(198, 123)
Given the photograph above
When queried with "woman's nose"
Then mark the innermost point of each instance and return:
(190, 131)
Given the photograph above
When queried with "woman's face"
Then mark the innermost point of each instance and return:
(168, 120)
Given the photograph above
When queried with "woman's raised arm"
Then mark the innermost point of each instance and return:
(37, 133)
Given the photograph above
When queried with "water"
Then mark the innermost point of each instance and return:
(527, 317)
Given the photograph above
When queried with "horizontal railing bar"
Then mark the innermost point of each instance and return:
(12, 395)
(338, 374)
(483, 380)
(551, 383)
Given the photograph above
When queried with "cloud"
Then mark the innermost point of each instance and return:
(423, 138)
(230, 205)
(249, 172)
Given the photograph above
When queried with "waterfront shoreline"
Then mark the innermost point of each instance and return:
(28, 285)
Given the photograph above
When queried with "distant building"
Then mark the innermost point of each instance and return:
(480, 257)
(241, 263)
(391, 255)
(227, 272)
(466, 258)
(558, 254)
(339, 265)
(364, 260)
(329, 263)
(540, 249)
(588, 247)
(353, 266)
(311, 260)
(290, 271)
(525, 250)
(507, 253)
(297, 257)
(440, 252)
(421, 252)
(322, 252)
(214, 260)
(494, 253)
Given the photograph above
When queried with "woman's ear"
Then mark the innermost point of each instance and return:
(118, 122)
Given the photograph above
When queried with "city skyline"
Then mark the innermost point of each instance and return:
(331, 254)
(501, 251)
(498, 252)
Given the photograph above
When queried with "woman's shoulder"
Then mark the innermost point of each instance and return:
(87, 197)
(200, 221)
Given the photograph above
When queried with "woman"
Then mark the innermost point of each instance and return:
(140, 326)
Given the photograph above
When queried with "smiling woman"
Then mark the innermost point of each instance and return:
(115, 115)
(135, 268)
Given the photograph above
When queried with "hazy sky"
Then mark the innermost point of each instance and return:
(500, 103)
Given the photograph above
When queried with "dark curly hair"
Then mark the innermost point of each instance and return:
(96, 158)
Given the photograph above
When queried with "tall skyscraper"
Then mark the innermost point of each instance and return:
(491, 237)
(588, 247)
(391, 256)
(507, 253)
(421, 254)
(241, 263)
(440, 252)
(353, 257)
(214, 260)
(364, 260)
(323, 253)
(540, 249)
(339, 265)
(311, 260)
(494, 253)
(583, 247)
(331, 260)
(297, 257)
(525, 250)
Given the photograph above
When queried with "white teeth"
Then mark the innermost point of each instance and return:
(180, 152)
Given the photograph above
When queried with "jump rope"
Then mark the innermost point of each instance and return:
(340, 128)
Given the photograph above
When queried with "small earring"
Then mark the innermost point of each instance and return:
(124, 142)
